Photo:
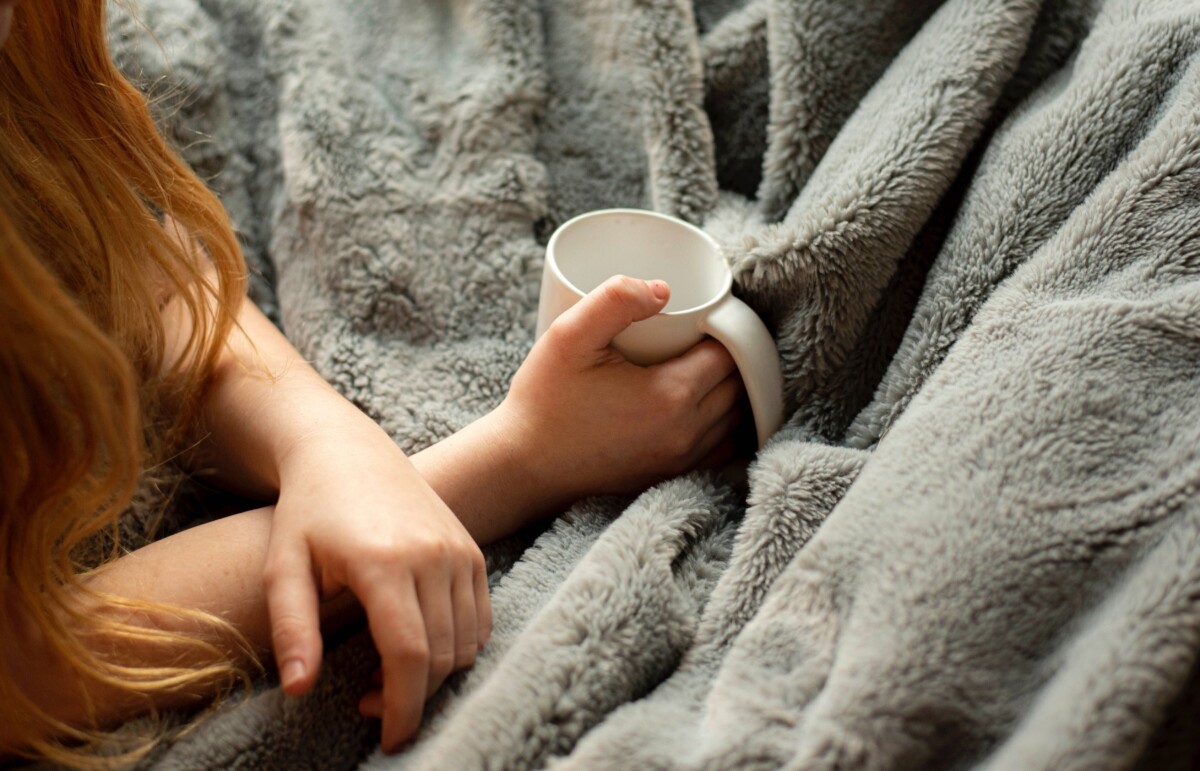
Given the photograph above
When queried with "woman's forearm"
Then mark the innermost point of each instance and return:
(578, 419)
(215, 567)
(264, 402)
(489, 480)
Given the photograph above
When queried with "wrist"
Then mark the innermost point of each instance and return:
(338, 436)
(356, 448)
(493, 475)
(521, 460)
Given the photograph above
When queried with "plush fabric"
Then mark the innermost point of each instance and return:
(973, 227)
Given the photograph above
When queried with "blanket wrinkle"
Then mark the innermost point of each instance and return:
(972, 227)
(1157, 654)
(820, 272)
(787, 507)
(623, 639)
(680, 162)
(824, 58)
(1106, 99)
(736, 93)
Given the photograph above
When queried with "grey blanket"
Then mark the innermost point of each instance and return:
(973, 227)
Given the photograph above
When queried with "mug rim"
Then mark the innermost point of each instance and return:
(726, 281)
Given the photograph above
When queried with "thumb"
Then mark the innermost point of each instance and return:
(606, 311)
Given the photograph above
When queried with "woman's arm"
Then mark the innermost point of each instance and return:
(578, 419)
(351, 513)
(581, 420)
(215, 567)
(354, 513)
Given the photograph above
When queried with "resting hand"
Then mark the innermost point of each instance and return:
(588, 421)
(353, 514)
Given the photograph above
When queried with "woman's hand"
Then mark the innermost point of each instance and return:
(352, 517)
(579, 419)
(355, 520)
(353, 514)
(585, 418)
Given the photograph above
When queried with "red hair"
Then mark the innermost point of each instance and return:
(86, 181)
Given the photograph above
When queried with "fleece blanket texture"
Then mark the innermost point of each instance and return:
(973, 227)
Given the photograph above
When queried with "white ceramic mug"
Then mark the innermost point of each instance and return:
(589, 249)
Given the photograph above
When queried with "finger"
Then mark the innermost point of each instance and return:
(371, 705)
(720, 455)
(705, 366)
(394, 616)
(718, 432)
(483, 602)
(293, 609)
(466, 620)
(591, 324)
(721, 399)
(437, 607)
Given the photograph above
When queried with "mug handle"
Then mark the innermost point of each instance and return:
(743, 333)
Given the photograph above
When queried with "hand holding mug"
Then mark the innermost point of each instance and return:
(584, 420)
(591, 248)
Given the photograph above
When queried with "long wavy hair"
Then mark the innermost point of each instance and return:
(87, 184)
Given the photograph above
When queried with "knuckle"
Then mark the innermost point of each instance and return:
(423, 542)
(383, 553)
(628, 286)
(619, 290)
(465, 655)
(615, 284)
(441, 551)
(411, 651)
(560, 334)
(411, 550)
(462, 558)
(469, 550)
(675, 395)
(441, 664)
(680, 444)
(288, 631)
(416, 551)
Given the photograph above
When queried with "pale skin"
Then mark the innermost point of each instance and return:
(358, 527)
(402, 535)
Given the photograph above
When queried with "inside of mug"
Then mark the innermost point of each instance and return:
(591, 249)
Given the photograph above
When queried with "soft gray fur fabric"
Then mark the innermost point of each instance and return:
(974, 228)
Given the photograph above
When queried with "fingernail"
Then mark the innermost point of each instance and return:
(291, 673)
(660, 289)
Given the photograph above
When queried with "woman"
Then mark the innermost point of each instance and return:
(125, 340)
